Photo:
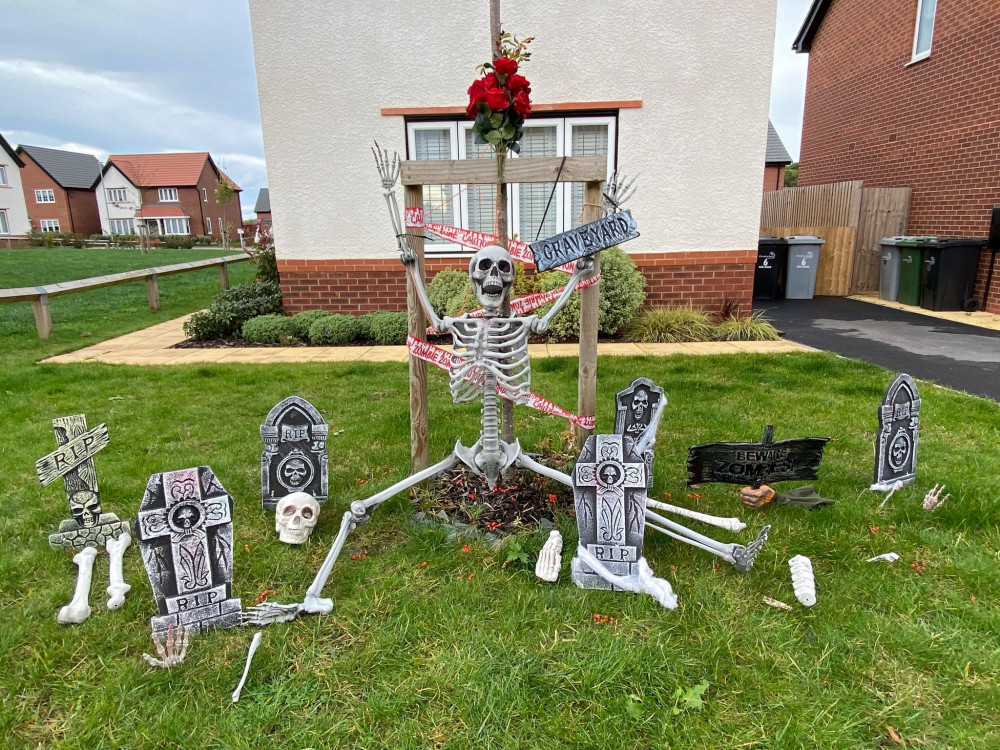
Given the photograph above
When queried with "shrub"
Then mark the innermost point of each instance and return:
(753, 328)
(524, 282)
(384, 328)
(232, 308)
(203, 239)
(265, 262)
(449, 291)
(269, 329)
(669, 325)
(177, 241)
(334, 330)
(621, 297)
(303, 321)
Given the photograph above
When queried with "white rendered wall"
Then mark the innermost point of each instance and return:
(702, 70)
(110, 180)
(12, 198)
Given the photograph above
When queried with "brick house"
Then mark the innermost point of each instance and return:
(59, 188)
(776, 158)
(674, 102)
(910, 100)
(177, 196)
(14, 221)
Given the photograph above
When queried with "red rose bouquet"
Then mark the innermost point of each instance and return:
(501, 99)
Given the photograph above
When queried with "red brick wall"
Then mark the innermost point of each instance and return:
(701, 279)
(33, 178)
(192, 201)
(933, 125)
(774, 177)
(83, 206)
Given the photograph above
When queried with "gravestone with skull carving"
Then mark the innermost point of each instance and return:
(294, 457)
(185, 532)
(898, 433)
(638, 410)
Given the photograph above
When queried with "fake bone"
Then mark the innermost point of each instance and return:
(78, 609)
(739, 556)
(550, 558)
(174, 651)
(117, 587)
(933, 498)
(254, 645)
(803, 581)
(890, 557)
(643, 582)
(729, 524)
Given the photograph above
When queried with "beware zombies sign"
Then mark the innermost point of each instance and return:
(755, 464)
(583, 241)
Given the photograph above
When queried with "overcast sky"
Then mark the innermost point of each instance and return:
(117, 76)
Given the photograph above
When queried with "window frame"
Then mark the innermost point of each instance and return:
(45, 193)
(42, 228)
(113, 222)
(3, 176)
(431, 243)
(169, 224)
(916, 56)
(110, 197)
(208, 225)
(169, 191)
(4, 222)
(204, 195)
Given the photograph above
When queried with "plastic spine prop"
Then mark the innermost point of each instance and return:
(803, 581)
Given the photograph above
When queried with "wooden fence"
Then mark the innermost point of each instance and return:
(850, 217)
(39, 295)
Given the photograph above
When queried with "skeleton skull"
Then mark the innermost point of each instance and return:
(492, 273)
(295, 471)
(640, 402)
(85, 507)
(295, 517)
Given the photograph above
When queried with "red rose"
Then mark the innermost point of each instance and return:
(496, 99)
(504, 66)
(522, 104)
(518, 83)
(490, 81)
(477, 91)
(472, 110)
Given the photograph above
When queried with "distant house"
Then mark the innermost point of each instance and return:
(59, 189)
(165, 194)
(14, 222)
(263, 207)
(910, 100)
(776, 158)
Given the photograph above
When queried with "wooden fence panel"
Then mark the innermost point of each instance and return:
(834, 205)
(884, 212)
(835, 256)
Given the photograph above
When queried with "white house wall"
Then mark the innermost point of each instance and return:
(12, 198)
(702, 70)
(110, 180)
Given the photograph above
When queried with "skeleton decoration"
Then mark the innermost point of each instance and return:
(89, 527)
(776, 604)
(729, 524)
(294, 457)
(899, 430)
(889, 557)
(173, 652)
(638, 411)
(295, 517)
(933, 499)
(550, 558)
(185, 533)
(803, 581)
(254, 645)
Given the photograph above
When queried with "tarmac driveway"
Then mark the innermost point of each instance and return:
(953, 354)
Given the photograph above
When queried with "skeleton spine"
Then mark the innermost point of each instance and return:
(491, 437)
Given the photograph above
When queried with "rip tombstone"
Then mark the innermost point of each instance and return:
(294, 457)
(638, 409)
(185, 532)
(899, 428)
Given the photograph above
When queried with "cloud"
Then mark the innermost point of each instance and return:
(31, 138)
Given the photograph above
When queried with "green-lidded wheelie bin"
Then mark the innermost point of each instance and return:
(949, 273)
(911, 267)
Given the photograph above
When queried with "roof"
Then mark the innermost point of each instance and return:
(13, 155)
(70, 169)
(776, 152)
(817, 11)
(160, 211)
(164, 170)
(263, 202)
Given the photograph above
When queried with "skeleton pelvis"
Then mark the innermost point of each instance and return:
(483, 462)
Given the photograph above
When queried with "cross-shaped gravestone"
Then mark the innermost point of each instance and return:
(638, 410)
(294, 457)
(73, 461)
(899, 430)
(185, 532)
(609, 484)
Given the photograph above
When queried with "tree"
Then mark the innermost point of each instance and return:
(224, 192)
(792, 174)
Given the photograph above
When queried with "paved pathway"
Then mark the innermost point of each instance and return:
(152, 346)
(923, 344)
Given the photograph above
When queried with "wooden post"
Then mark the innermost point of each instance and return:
(43, 320)
(224, 276)
(153, 291)
(590, 299)
(413, 196)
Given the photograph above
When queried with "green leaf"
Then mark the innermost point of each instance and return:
(515, 147)
(478, 138)
(507, 132)
(496, 119)
(692, 696)
(483, 122)
(634, 707)
(493, 137)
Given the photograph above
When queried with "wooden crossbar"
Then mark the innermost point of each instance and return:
(484, 171)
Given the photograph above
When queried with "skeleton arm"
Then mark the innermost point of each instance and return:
(583, 267)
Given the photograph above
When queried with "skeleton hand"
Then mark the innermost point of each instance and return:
(388, 168)
(756, 498)
(175, 651)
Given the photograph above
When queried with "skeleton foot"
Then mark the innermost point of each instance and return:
(743, 557)
(117, 588)
(78, 609)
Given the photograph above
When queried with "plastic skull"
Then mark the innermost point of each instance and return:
(295, 472)
(295, 517)
(85, 507)
(640, 402)
(492, 273)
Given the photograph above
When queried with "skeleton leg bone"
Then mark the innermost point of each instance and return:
(117, 588)
(740, 556)
(729, 524)
(78, 609)
(523, 461)
(644, 582)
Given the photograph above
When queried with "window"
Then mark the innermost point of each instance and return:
(3, 175)
(117, 195)
(4, 226)
(168, 195)
(473, 206)
(924, 30)
(45, 196)
(221, 226)
(122, 226)
(176, 226)
(204, 195)
(208, 225)
(49, 225)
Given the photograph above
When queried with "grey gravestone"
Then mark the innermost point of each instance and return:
(185, 533)
(73, 460)
(756, 464)
(294, 457)
(636, 406)
(898, 423)
(609, 484)
(584, 240)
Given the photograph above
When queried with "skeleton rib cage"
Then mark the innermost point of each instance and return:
(489, 346)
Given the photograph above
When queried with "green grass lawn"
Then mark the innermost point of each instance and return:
(424, 656)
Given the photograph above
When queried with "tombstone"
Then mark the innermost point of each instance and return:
(609, 484)
(294, 457)
(896, 448)
(638, 408)
(185, 533)
(73, 461)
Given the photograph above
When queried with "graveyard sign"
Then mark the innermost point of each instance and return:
(584, 240)
(185, 533)
(638, 410)
(755, 464)
(898, 422)
(609, 484)
(294, 457)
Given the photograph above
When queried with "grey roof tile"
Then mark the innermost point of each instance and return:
(776, 152)
(70, 169)
(263, 201)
